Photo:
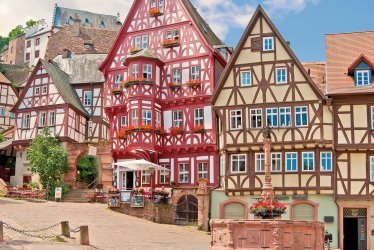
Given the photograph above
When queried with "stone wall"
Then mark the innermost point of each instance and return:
(153, 212)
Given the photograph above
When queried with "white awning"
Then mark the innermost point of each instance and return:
(5, 144)
(139, 165)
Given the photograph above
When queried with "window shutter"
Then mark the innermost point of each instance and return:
(234, 211)
(256, 44)
(303, 212)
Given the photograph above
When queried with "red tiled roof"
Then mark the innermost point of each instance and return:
(317, 71)
(342, 50)
(100, 39)
(3, 79)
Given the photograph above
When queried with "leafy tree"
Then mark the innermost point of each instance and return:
(16, 31)
(47, 158)
(30, 23)
(2, 138)
(87, 169)
(3, 42)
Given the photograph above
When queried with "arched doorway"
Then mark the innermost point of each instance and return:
(87, 171)
(186, 210)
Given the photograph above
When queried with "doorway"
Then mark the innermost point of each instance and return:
(128, 180)
(354, 229)
(186, 210)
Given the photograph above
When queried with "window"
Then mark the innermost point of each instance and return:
(161, 4)
(177, 118)
(326, 161)
(42, 119)
(102, 24)
(123, 121)
(147, 71)
(26, 121)
(301, 116)
(268, 43)
(28, 44)
(199, 117)
(195, 72)
(135, 70)
(245, 78)
(172, 34)
(177, 76)
(291, 162)
(147, 117)
(36, 53)
(304, 212)
(276, 162)
(51, 118)
(234, 210)
(86, 21)
(164, 175)
(153, 4)
(372, 117)
(13, 115)
(44, 90)
(87, 99)
(144, 41)
(27, 57)
(285, 117)
(118, 78)
(37, 41)
(238, 163)
(202, 170)
(158, 119)
(371, 168)
(2, 111)
(272, 117)
(281, 75)
(183, 173)
(134, 117)
(77, 122)
(137, 42)
(37, 91)
(308, 161)
(256, 118)
(363, 77)
(260, 162)
(235, 119)
(146, 177)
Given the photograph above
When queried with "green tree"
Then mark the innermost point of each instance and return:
(30, 23)
(86, 166)
(3, 42)
(2, 138)
(47, 158)
(16, 31)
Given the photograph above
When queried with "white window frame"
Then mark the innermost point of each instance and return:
(168, 34)
(253, 113)
(118, 79)
(238, 158)
(135, 70)
(303, 158)
(51, 118)
(2, 111)
(285, 112)
(144, 41)
(165, 175)
(273, 114)
(37, 91)
(294, 157)
(362, 72)
(177, 118)
(264, 39)
(42, 119)
(158, 119)
(276, 156)
(147, 71)
(301, 112)
(87, 101)
(259, 158)
(138, 42)
(199, 116)
(202, 170)
(371, 168)
(323, 161)
(245, 78)
(280, 71)
(185, 173)
(177, 76)
(237, 119)
(44, 89)
(195, 72)
(161, 4)
(26, 121)
(146, 177)
(134, 117)
(123, 121)
(372, 117)
(146, 117)
(153, 4)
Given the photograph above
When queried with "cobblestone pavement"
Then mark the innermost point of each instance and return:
(107, 229)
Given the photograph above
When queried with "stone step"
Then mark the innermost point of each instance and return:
(78, 196)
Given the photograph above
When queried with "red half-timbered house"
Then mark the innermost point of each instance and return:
(159, 77)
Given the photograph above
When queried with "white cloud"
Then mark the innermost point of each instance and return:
(283, 7)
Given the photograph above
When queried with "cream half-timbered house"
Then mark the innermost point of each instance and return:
(265, 84)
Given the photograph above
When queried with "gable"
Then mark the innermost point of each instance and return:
(255, 55)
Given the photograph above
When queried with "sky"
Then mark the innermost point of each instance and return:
(301, 22)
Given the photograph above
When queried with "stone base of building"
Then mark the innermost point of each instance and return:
(158, 213)
(268, 234)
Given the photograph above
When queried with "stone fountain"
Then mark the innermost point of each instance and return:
(262, 234)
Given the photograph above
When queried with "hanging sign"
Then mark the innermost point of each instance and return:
(92, 151)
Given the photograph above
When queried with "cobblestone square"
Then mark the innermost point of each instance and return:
(107, 229)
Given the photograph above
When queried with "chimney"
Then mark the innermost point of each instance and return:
(76, 26)
(118, 22)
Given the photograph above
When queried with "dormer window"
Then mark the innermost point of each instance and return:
(268, 43)
(363, 77)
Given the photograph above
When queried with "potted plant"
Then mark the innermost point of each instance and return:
(193, 83)
(138, 190)
(154, 12)
(170, 43)
(267, 209)
(134, 50)
(146, 128)
(173, 85)
(176, 131)
(198, 129)
(117, 90)
(114, 191)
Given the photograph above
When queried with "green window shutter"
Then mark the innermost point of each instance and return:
(234, 211)
(303, 212)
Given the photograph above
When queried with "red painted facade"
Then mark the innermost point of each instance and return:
(159, 77)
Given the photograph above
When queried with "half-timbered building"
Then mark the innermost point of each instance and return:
(159, 76)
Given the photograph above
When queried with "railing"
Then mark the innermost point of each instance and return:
(93, 182)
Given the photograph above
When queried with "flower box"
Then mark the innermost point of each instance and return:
(170, 43)
(113, 191)
(138, 191)
(154, 12)
(131, 81)
(146, 128)
(194, 83)
(159, 131)
(117, 91)
(134, 50)
(174, 85)
(266, 209)
(198, 129)
(176, 131)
